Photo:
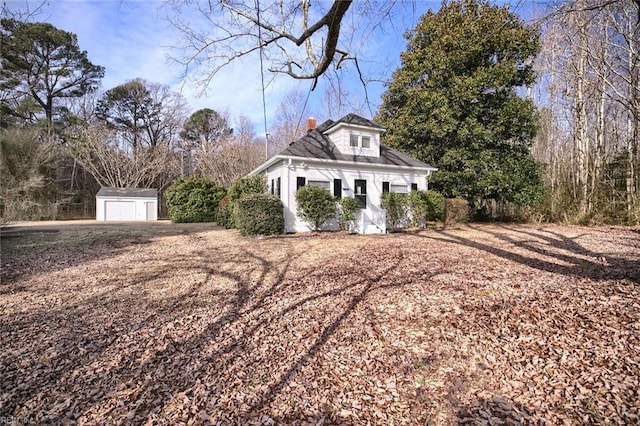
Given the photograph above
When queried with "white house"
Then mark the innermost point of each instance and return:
(126, 204)
(346, 157)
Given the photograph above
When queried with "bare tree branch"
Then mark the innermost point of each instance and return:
(233, 34)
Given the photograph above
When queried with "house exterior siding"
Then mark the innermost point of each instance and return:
(326, 154)
(288, 172)
(374, 176)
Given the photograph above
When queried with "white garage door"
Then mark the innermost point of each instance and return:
(120, 210)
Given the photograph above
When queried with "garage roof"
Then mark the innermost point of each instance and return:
(108, 191)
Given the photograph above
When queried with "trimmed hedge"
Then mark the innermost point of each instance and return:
(225, 216)
(193, 199)
(259, 214)
(316, 205)
(224, 213)
(256, 184)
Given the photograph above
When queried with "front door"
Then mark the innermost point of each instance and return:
(360, 192)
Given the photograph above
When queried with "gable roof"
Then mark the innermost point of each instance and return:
(109, 191)
(354, 119)
(316, 145)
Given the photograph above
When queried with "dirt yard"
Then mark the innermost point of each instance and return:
(190, 324)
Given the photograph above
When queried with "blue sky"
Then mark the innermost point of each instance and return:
(132, 39)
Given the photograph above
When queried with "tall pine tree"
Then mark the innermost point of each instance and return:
(453, 102)
(42, 64)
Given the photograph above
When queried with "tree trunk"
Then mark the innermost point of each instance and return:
(633, 126)
(580, 132)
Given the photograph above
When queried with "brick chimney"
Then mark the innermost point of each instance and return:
(311, 123)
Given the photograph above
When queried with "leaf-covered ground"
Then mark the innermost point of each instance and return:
(485, 324)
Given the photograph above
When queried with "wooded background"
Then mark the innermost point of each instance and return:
(62, 136)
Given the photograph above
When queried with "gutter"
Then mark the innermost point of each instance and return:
(277, 158)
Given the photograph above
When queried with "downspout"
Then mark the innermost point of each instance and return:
(287, 217)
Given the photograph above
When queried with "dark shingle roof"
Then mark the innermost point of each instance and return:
(326, 125)
(317, 145)
(108, 191)
(354, 119)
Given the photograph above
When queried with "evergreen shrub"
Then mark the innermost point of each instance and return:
(193, 199)
(396, 206)
(426, 206)
(256, 184)
(259, 214)
(224, 213)
(347, 208)
(316, 205)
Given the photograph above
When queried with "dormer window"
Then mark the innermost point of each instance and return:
(355, 136)
(356, 141)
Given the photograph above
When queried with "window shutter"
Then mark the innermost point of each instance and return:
(278, 187)
(360, 188)
(337, 188)
(385, 187)
(414, 186)
(301, 181)
(271, 186)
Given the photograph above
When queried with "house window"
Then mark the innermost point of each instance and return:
(337, 188)
(399, 189)
(414, 186)
(272, 191)
(360, 186)
(278, 187)
(321, 183)
(356, 141)
(385, 187)
(300, 182)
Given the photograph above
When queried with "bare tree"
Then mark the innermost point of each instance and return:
(231, 157)
(26, 157)
(26, 13)
(590, 85)
(239, 28)
(290, 121)
(164, 122)
(297, 38)
(97, 150)
(594, 6)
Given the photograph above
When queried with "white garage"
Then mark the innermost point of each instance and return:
(126, 204)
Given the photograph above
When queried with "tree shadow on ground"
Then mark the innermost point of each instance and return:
(548, 251)
(127, 353)
(497, 411)
(221, 333)
(71, 244)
